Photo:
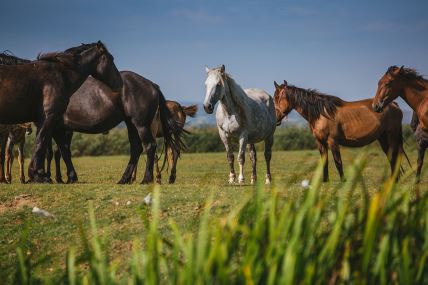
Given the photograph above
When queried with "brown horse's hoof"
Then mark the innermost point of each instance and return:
(71, 181)
(40, 179)
(123, 181)
(4, 181)
(171, 180)
(147, 180)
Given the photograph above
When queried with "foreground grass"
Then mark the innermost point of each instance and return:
(200, 177)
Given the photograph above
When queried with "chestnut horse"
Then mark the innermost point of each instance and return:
(335, 122)
(39, 91)
(409, 85)
(421, 136)
(17, 135)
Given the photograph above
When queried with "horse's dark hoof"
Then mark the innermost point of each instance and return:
(147, 180)
(40, 179)
(22, 180)
(71, 180)
(59, 180)
(4, 181)
(171, 180)
(124, 181)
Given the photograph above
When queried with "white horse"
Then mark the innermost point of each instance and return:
(244, 116)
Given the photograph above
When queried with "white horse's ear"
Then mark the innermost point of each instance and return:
(222, 68)
(207, 69)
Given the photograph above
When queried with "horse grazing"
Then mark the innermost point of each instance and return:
(16, 137)
(9, 135)
(243, 116)
(96, 109)
(335, 122)
(39, 91)
(421, 136)
(409, 85)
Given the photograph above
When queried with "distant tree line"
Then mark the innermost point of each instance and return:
(202, 139)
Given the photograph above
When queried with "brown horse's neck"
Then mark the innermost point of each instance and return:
(413, 94)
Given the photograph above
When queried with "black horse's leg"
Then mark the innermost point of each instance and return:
(37, 163)
(253, 158)
(49, 156)
(323, 149)
(21, 161)
(30, 165)
(9, 160)
(158, 172)
(135, 151)
(57, 157)
(335, 151)
(63, 141)
(175, 154)
(268, 157)
(421, 154)
(150, 146)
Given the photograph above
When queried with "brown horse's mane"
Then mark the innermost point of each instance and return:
(408, 73)
(8, 58)
(313, 103)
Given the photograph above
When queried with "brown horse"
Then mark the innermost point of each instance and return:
(39, 91)
(409, 85)
(14, 134)
(421, 136)
(335, 122)
(16, 137)
(179, 114)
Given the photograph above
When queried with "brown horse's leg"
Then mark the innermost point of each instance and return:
(135, 151)
(253, 158)
(335, 151)
(57, 157)
(21, 161)
(421, 154)
(174, 157)
(268, 156)
(3, 140)
(322, 147)
(9, 160)
(158, 172)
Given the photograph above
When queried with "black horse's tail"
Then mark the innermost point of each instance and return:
(172, 130)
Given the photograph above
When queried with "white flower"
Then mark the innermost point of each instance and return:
(148, 199)
(305, 183)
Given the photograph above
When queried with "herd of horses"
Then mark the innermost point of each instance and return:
(81, 90)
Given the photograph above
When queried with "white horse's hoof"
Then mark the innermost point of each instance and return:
(253, 181)
(241, 179)
(232, 180)
(268, 181)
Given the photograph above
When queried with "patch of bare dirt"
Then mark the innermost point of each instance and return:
(17, 203)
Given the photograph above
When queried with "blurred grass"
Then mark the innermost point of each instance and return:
(200, 177)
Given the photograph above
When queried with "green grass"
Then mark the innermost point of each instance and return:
(200, 177)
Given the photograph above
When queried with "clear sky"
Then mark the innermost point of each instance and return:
(339, 47)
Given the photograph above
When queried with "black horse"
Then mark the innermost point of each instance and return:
(421, 136)
(39, 91)
(96, 109)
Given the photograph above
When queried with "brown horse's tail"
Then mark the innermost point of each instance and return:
(190, 110)
(172, 130)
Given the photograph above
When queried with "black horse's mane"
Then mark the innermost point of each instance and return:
(71, 55)
(8, 58)
(408, 73)
(313, 103)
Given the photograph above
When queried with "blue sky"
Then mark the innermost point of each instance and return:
(338, 47)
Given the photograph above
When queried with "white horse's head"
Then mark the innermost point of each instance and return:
(215, 88)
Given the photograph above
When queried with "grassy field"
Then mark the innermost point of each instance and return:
(120, 210)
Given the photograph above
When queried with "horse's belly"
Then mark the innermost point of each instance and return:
(95, 122)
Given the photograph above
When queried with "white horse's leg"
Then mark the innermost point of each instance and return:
(253, 157)
(230, 157)
(241, 157)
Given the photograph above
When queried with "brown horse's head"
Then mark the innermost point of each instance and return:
(389, 88)
(282, 104)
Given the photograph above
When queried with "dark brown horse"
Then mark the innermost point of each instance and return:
(421, 136)
(409, 85)
(335, 122)
(96, 109)
(39, 91)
